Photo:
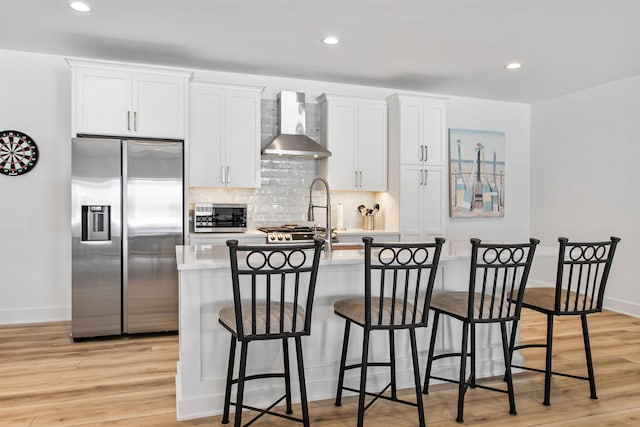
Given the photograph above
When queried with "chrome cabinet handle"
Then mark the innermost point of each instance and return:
(426, 153)
(421, 154)
(421, 178)
(356, 178)
(426, 177)
(228, 175)
(222, 175)
(135, 120)
(360, 179)
(128, 120)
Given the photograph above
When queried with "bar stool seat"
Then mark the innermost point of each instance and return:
(544, 299)
(456, 304)
(277, 311)
(399, 280)
(354, 309)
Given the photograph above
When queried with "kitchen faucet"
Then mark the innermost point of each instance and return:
(327, 207)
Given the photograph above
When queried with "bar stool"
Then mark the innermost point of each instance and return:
(273, 289)
(398, 283)
(581, 278)
(497, 280)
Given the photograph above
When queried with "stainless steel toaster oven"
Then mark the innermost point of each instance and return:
(219, 218)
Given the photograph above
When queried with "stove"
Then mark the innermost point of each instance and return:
(288, 233)
(291, 233)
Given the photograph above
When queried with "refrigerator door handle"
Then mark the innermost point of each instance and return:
(125, 234)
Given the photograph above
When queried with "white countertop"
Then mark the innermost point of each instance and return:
(253, 233)
(198, 257)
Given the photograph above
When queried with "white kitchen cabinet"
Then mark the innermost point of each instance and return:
(422, 210)
(417, 166)
(420, 128)
(126, 100)
(355, 131)
(224, 135)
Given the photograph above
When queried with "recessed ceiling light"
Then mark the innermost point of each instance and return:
(330, 40)
(513, 66)
(80, 6)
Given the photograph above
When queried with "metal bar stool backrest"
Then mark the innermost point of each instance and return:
(583, 270)
(273, 288)
(399, 280)
(497, 280)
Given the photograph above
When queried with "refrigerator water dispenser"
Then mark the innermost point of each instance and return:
(96, 223)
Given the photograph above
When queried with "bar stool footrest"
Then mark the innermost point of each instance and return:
(267, 411)
(380, 396)
(562, 374)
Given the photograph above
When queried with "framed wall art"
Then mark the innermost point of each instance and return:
(476, 173)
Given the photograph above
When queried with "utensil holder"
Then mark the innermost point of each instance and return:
(368, 222)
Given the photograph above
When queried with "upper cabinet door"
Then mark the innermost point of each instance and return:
(411, 125)
(372, 146)
(102, 102)
(126, 100)
(206, 136)
(342, 130)
(434, 133)
(159, 106)
(243, 139)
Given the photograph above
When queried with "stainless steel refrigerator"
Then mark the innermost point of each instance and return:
(126, 220)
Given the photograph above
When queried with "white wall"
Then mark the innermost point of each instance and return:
(34, 219)
(585, 177)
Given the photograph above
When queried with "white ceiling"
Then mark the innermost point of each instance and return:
(454, 47)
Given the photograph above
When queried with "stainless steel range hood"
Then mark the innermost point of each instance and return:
(291, 140)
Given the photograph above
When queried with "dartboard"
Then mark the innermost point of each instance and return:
(18, 153)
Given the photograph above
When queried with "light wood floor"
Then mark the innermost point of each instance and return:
(47, 380)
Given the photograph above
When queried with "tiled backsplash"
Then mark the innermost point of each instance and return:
(284, 195)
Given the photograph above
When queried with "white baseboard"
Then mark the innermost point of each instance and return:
(623, 307)
(15, 316)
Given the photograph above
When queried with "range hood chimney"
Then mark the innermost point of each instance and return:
(291, 140)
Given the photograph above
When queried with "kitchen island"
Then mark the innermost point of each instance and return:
(205, 287)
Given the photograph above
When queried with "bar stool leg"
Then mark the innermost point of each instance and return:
(514, 333)
(587, 352)
(241, 375)
(363, 377)
(507, 368)
(287, 375)
(392, 363)
(303, 384)
(462, 384)
(343, 361)
(432, 346)
(227, 392)
(547, 368)
(472, 377)
(416, 376)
